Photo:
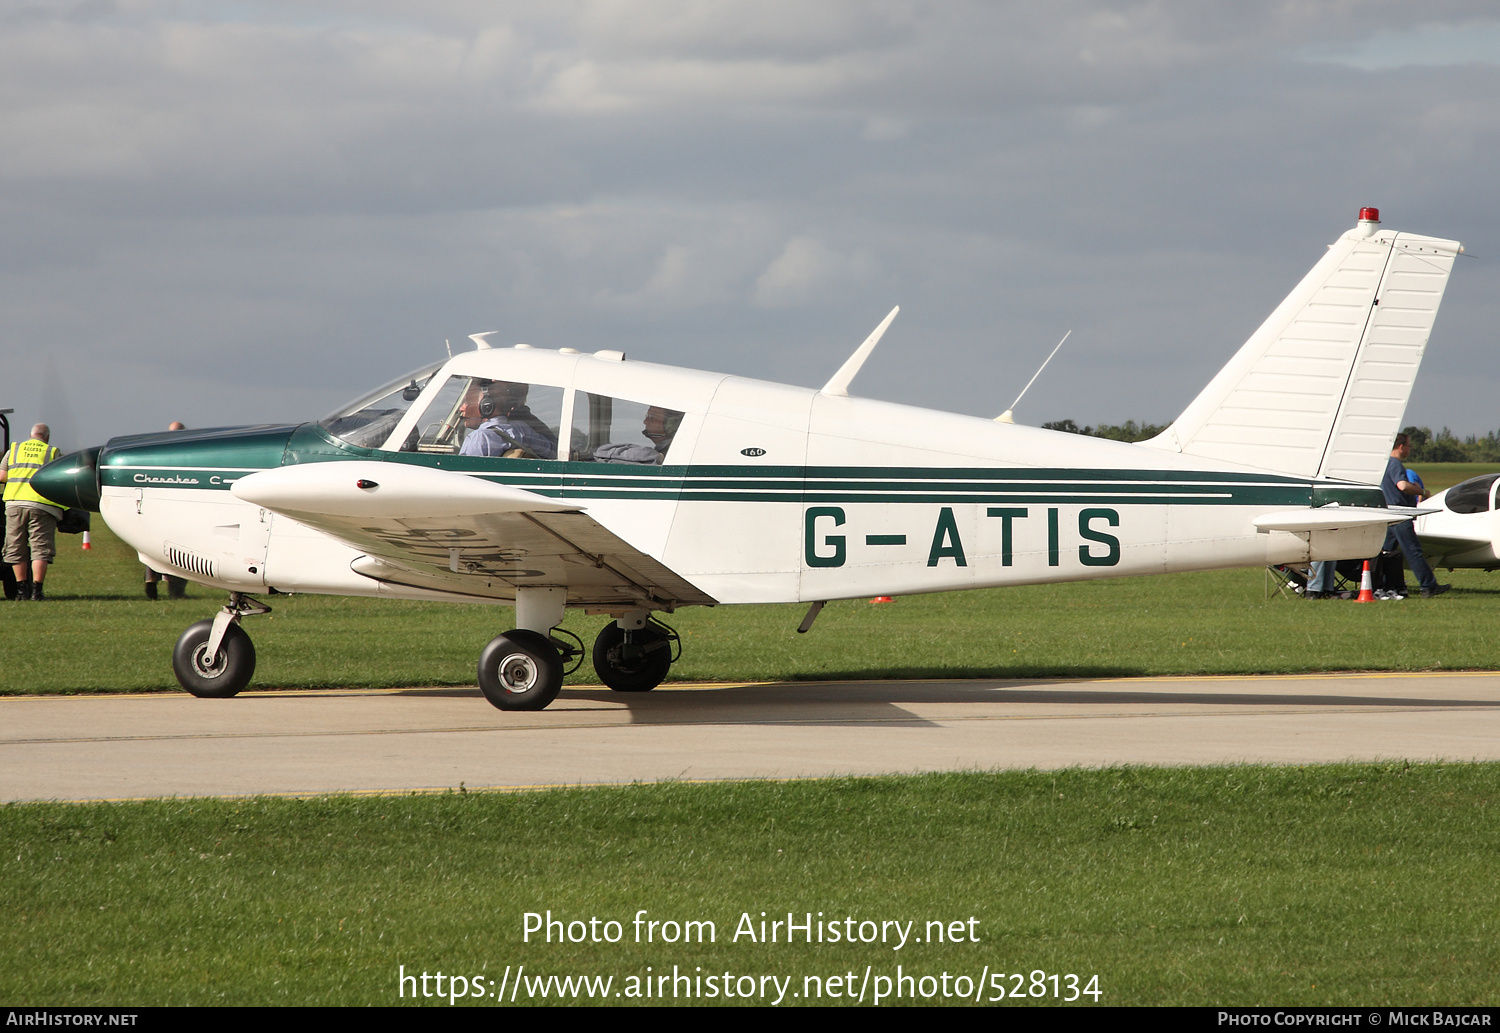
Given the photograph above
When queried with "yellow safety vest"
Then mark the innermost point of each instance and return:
(23, 460)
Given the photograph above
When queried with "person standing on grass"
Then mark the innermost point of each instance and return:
(1399, 491)
(30, 518)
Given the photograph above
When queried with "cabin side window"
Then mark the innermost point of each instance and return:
(617, 430)
(474, 416)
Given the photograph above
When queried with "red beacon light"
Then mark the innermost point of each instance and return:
(1369, 215)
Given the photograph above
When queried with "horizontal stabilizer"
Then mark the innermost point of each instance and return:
(1334, 518)
(1321, 388)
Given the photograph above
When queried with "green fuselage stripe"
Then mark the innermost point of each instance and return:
(156, 465)
(1068, 487)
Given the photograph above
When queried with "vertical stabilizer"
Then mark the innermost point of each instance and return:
(1321, 388)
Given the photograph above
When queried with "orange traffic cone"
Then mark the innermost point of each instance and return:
(86, 544)
(1366, 586)
(881, 599)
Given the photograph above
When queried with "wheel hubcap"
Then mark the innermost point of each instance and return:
(204, 668)
(519, 673)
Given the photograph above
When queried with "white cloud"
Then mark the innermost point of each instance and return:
(1432, 44)
(807, 269)
(288, 200)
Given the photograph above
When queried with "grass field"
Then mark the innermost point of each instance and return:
(99, 633)
(1437, 476)
(1332, 885)
(1361, 885)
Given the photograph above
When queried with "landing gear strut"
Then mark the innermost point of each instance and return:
(520, 670)
(523, 669)
(634, 653)
(215, 659)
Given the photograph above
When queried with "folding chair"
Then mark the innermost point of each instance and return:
(1286, 581)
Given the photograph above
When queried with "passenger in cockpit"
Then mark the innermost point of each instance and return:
(500, 424)
(660, 427)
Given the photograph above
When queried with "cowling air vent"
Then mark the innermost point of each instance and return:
(185, 560)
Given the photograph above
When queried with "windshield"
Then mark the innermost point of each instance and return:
(369, 420)
(1472, 496)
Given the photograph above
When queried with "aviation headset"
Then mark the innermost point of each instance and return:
(515, 395)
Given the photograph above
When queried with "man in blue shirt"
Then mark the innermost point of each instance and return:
(500, 424)
(1399, 491)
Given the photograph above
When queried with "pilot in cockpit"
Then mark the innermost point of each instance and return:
(500, 424)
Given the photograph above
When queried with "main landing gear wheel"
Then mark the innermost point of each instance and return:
(213, 677)
(520, 670)
(634, 661)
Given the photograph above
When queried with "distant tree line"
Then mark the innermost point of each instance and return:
(1127, 431)
(1426, 447)
(1445, 447)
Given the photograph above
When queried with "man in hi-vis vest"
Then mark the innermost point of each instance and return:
(30, 519)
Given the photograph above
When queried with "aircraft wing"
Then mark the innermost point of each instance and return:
(1443, 544)
(451, 532)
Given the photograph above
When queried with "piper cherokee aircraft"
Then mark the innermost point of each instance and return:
(548, 479)
(1465, 530)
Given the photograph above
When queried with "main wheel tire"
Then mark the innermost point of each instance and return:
(636, 666)
(520, 670)
(220, 676)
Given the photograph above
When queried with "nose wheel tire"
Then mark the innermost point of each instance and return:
(520, 670)
(637, 665)
(213, 677)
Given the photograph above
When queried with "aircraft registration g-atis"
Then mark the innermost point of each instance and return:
(553, 479)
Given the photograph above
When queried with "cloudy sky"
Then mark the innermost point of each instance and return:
(243, 212)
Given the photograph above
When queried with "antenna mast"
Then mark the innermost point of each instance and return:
(1008, 415)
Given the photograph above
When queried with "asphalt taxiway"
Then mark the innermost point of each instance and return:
(340, 741)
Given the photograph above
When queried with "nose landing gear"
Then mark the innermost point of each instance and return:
(215, 659)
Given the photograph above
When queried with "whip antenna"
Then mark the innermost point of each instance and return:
(1006, 416)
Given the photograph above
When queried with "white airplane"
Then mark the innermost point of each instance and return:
(1465, 531)
(630, 489)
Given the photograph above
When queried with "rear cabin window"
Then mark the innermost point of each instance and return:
(1472, 496)
(617, 430)
(474, 416)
